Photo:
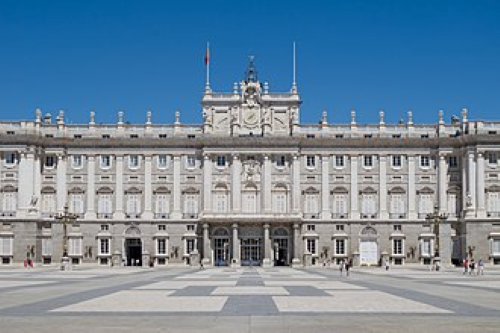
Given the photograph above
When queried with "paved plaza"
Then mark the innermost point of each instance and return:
(253, 299)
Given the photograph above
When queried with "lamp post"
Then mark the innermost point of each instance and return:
(64, 218)
(435, 218)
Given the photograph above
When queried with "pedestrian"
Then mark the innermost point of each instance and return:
(201, 265)
(466, 265)
(386, 264)
(480, 267)
(341, 267)
(347, 267)
(472, 267)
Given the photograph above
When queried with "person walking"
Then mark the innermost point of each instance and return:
(466, 266)
(341, 267)
(347, 267)
(472, 267)
(480, 267)
(201, 265)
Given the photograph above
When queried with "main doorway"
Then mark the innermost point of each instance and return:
(251, 251)
(133, 251)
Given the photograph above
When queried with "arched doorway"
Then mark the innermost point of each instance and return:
(368, 247)
(133, 247)
(281, 247)
(221, 246)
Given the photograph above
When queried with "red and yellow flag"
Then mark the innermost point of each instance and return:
(207, 56)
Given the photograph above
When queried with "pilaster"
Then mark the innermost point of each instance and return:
(207, 249)
(480, 185)
(471, 184)
(412, 213)
(267, 247)
(296, 246)
(176, 213)
(236, 183)
(325, 188)
(207, 183)
(25, 189)
(295, 184)
(267, 185)
(148, 190)
(443, 183)
(119, 214)
(383, 187)
(90, 213)
(61, 182)
(354, 187)
(235, 261)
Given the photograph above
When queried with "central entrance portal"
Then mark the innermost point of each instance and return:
(133, 251)
(251, 253)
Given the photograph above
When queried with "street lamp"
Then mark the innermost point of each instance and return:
(65, 217)
(435, 218)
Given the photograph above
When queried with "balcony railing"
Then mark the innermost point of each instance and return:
(190, 215)
(493, 214)
(422, 215)
(311, 215)
(104, 215)
(48, 214)
(8, 214)
(133, 215)
(396, 216)
(369, 216)
(340, 215)
(161, 215)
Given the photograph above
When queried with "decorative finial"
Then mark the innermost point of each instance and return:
(324, 118)
(177, 117)
(38, 115)
(353, 117)
(440, 116)
(381, 116)
(251, 73)
(148, 117)
(294, 82)
(464, 115)
(266, 87)
(410, 117)
(235, 88)
(92, 117)
(120, 117)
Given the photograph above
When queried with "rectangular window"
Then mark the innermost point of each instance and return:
(161, 204)
(311, 204)
(340, 246)
(47, 247)
(48, 203)
(221, 203)
(104, 246)
(105, 204)
(492, 158)
(9, 203)
(50, 161)
(76, 206)
(75, 247)
(396, 161)
(311, 161)
(311, 227)
(397, 227)
(495, 247)
(339, 161)
(311, 246)
(339, 227)
(279, 204)
(162, 161)
(397, 205)
(452, 205)
(133, 203)
(10, 158)
(161, 246)
(133, 161)
(221, 161)
(191, 161)
(425, 161)
(426, 248)
(280, 161)
(191, 204)
(368, 205)
(425, 205)
(105, 161)
(162, 227)
(453, 162)
(397, 246)
(104, 227)
(493, 204)
(368, 161)
(249, 202)
(76, 161)
(6, 246)
(339, 205)
(189, 245)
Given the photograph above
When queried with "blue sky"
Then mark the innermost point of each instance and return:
(136, 55)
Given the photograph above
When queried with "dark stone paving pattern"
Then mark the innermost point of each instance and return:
(250, 305)
(305, 291)
(194, 291)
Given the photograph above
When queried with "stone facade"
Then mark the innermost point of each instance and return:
(249, 186)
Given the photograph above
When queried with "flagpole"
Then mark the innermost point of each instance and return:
(207, 63)
(294, 83)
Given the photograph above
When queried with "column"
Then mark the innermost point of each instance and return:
(207, 184)
(119, 214)
(25, 189)
(295, 184)
(472, 183)
(207, 249)
(383, 187)
(464, 167)
(90, 214)
(235, 262)
(267, 247)
(148, 190)
(325, 188)
(61, 183)
(236, 184)
(176, 213)
(412, 213)
(296, 245)
(443, 183)
(354, 187)
(37, 186)
(481, 202)
(266, 185)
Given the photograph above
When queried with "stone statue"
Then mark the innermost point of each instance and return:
(468, 200)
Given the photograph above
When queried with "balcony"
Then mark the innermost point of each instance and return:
(340, 215)
(311, 216)
(397, 216)
(48, 215)
(104, 215)
(8, 214)
(422, 216)
(368, 216)
(133, 215)
(161, 215)
(493, 214)
(191, 216)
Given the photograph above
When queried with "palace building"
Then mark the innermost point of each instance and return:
(251, 185)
